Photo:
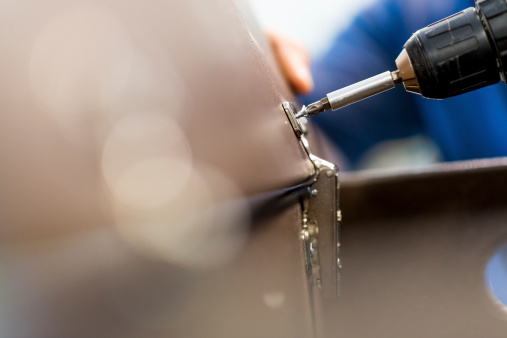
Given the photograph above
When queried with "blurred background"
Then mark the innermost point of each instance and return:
(326, 17)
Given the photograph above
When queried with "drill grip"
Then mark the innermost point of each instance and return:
(453, 56)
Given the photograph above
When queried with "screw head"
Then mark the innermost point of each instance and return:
(339, 215)
(305, 235)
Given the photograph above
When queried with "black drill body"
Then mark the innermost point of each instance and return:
(461, 53)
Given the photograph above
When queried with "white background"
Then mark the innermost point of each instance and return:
(313, 22)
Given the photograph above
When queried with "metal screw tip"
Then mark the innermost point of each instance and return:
(303, 112)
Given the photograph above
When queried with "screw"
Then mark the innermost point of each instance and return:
(315, 192)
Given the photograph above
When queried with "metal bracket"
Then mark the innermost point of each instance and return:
(320, 220)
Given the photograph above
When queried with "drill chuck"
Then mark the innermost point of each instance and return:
(458, 54)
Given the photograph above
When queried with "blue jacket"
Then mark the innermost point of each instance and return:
(473, 125)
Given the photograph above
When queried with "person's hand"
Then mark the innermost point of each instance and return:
(294, 60)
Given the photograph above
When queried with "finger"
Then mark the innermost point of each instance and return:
(294, 61)
(297, 69)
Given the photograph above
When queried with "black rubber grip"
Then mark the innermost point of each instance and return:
(494, 16)
(453, 56)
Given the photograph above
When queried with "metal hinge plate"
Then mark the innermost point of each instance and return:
(321, 219)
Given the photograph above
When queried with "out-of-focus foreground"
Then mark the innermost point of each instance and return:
(132, 136)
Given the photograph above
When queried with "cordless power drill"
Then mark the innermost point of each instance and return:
(455, 55)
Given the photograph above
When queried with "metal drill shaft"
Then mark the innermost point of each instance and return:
(353, 93)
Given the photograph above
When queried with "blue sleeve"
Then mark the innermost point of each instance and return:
(368, 47)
